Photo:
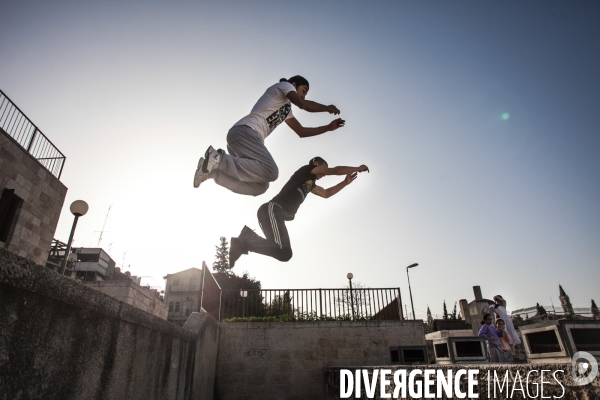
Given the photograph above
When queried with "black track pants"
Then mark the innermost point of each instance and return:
(277, 242)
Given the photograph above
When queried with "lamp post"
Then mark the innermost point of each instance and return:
(244, 294)
(409, 290)
(78, 208)
(350, 276)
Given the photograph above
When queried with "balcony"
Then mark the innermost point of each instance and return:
(24, 132)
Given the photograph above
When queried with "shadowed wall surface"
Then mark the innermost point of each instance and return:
(42, 194)
(285, 360)
(60, 339)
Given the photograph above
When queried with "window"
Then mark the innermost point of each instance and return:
(10, 205)
(171, 307)
(177, 307)
(193, 284)
(175, 281)
(183, 307)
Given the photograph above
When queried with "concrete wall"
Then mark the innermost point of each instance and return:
(43, 196)
(131, 293)
(285, 360)
(60, 339)
(517, 379)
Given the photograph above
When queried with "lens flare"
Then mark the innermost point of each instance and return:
(505, 116)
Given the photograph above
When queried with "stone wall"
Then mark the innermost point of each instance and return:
(131, 293)
(43, 196)
(60, 339)
(516, 386)
(285, 360)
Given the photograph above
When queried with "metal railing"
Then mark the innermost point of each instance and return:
(313, 304)
(16, 124)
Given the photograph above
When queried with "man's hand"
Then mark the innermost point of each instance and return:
(331, 109)
(363, 168)
(350, 178)
(336, 123)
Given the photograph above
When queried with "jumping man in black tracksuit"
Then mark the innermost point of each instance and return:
(283, 207)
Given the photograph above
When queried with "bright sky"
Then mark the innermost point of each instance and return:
(134, 92)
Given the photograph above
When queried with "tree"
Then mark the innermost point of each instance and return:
(221, 263)
(358, 303)
(453, 315)
(445, 311)
(232, 304)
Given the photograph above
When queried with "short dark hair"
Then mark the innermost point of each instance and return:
(319, 159)
(297, 79)
(484, 318)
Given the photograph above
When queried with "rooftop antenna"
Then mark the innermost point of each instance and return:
(553, 310)
(123, 263)
(102, 231)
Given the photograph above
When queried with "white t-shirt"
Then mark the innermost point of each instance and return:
(270, 110)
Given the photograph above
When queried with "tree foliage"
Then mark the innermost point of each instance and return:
(221, 263)
(453, 315)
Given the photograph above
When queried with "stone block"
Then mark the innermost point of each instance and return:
(350, 353)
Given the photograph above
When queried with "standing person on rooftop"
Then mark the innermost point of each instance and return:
(499, 307)
(249, 167)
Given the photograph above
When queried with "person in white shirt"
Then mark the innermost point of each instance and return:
(249, 167)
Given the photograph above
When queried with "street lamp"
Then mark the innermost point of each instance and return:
(350, 276)
(409, 291)
(78, 208)
(244, 294)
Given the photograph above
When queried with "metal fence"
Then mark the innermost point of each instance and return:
(312, 304)
(16, 124)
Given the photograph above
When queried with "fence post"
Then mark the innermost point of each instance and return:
(31, 140)
(62, 164)
(220, 303)
(351, 299)
(399, 301)
(320, 303)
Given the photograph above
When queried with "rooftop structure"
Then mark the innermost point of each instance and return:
(31, 194)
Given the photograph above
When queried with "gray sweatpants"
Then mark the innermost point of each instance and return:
(249, 167)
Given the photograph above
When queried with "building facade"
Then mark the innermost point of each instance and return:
(31, 193)
(182, 294)
(144, 298)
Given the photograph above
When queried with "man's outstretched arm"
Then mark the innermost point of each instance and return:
(311, 106)
(308, 132)
(326, 193)
(325, 170)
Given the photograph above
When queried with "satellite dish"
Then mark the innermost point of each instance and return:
(72, 257)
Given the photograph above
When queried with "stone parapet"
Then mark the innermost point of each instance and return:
(60, 339)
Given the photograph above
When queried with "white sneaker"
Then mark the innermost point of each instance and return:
(212, 160)
(200, 176)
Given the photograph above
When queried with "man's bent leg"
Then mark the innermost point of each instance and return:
(277, 244)
(237, 186)
(249, 161)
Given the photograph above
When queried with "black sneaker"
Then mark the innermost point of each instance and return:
(247, 235)
(236, 249)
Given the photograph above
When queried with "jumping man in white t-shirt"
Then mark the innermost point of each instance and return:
(249, 167)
